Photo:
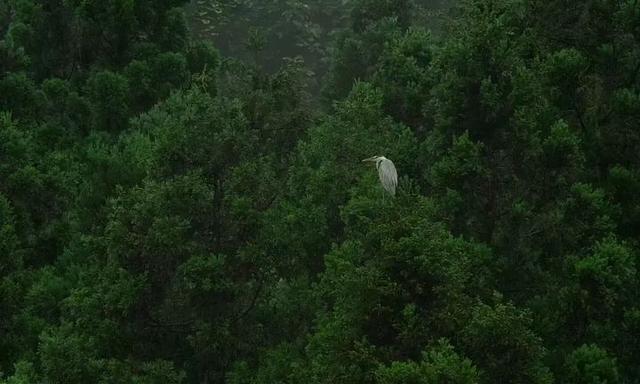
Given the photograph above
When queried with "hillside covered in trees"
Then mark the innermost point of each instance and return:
(182, 197)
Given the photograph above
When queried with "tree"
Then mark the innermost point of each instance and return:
(590, 364)
(441, 364)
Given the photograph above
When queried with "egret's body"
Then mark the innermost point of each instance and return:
(387, 173)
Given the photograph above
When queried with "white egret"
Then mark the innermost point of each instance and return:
(387, 173)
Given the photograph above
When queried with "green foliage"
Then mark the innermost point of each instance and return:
(590, 364)
(611, 267)
(8, 238)
(24, 374)
(203, 59)
(109, 93)
(64, 37)
(403, 76)
(170, 214)
(19, 95)
(440, 364)
(66, 357)
(498, 338)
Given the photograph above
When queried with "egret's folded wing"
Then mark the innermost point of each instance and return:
(388, 176)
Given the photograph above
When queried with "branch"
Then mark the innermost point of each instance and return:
(254, 300)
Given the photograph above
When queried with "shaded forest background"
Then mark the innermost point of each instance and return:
(182, 198)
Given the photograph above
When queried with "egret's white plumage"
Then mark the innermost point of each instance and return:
(387, 173)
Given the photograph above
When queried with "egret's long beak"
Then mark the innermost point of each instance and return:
(369, 159)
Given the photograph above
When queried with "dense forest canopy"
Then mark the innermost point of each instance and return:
(182, 197)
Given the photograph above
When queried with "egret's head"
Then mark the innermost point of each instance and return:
(373, 159)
